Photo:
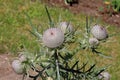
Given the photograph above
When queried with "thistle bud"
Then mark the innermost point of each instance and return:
(99, 32)
(53, 37)
(93, 42)
(22, 57)
(17, 67)
(65, 27)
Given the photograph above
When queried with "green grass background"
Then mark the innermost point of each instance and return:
(14, 32)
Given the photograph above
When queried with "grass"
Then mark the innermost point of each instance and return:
(14, 34)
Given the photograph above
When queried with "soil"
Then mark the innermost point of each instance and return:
(96, 8)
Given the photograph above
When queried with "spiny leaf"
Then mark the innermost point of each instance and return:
(48, 14)
(34, 30)
(83, 67)
(91, 68)
(74, 64)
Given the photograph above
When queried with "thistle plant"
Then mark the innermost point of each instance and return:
(52, 62)
(93, 35)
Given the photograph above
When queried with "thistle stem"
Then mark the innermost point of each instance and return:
(57, 64)
(57, 67)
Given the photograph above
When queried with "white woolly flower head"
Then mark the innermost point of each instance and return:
(53, 37)
(17, 66)
(65, 27)
(99, 32)
(93, 42)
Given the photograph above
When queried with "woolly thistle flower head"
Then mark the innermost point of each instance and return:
(99, 32)
(104, 76)
(93, 42)
(65, 27)
(17, 66)
(53, 37)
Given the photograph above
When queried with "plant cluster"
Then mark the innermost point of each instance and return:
(53, 61)
(116, 5)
